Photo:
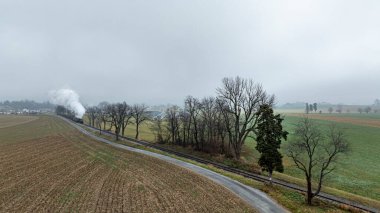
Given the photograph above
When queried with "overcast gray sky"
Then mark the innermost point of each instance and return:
(160, 51)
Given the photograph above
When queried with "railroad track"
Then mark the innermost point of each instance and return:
(257, 177)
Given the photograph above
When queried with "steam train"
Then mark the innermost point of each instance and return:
(73, 118)
(69, 114)
(77, 120)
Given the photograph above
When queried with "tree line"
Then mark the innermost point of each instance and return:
(117, 116)
(311, 107)
(375, 108)
(242, 109)
(25, 104)
(221, 124)
(217, 124)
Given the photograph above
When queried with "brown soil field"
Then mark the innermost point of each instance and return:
(12, 120)
(51, 167)
(356, 121)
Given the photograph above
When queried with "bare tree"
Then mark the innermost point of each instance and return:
(360, 110)
(102, 116)
(185, 126)
(221, 126)
(192, 108)
(227, 119)
(172, 115)
(331, 110)
(367, 109)
(116, 113)
(209, 118)
(140, 115)
(97, 119)
(91, 114)
(157, 128)
(314, 154)
(242, 98)
(126, 118)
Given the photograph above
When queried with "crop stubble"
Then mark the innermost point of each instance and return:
(66, 171)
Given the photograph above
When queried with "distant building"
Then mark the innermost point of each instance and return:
(156, 114)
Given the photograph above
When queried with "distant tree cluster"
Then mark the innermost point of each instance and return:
(218, 124)
(340, 108)
(375, 109)
(309, 108)
(26, 104)
(117, 117)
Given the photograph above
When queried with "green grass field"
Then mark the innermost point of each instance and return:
(145, 133)
(358, 171)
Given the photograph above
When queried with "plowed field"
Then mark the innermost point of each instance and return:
(47, 166)
(341, 119)
(12, 120)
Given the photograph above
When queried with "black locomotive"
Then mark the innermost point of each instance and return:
(67, 113)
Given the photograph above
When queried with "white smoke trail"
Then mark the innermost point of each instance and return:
(68, 98)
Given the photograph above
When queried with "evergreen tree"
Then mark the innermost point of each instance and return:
(315, 107)
(311, 108)
(269, 136)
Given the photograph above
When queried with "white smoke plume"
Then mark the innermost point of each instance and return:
(68, 98)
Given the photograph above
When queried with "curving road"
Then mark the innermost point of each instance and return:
(256, 198)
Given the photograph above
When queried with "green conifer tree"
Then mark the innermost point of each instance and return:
(269, 136)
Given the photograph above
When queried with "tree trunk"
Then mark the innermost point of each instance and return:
(237, 150)
(222, 145)
(137, 132)
(229, 148)
(237, 154)
(117, 134)
(309, 192)
(184, 138)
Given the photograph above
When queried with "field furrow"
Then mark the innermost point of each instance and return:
(50, 167)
